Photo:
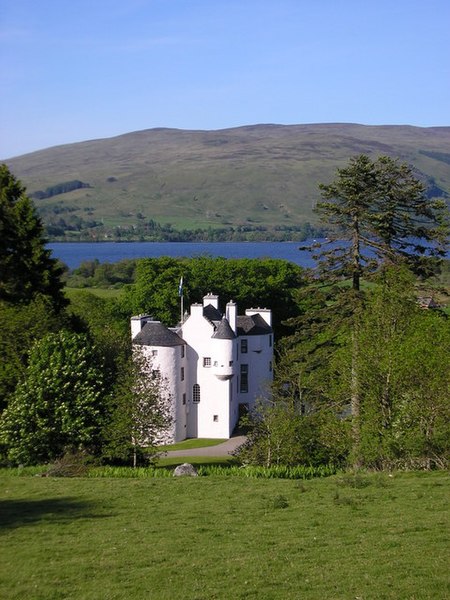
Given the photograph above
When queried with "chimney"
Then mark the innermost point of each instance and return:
(231, 314)
(211, 299)
(137, 323)
(265, 313)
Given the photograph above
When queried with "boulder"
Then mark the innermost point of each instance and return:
(185, 470)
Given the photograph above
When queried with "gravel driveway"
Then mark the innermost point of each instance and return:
(223, 449)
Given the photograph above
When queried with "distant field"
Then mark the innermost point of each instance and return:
(346, 537)
(100, 292)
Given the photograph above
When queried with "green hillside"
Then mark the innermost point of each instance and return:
(258, 176)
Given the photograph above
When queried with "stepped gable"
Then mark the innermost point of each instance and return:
(252, 325)
(224, 331)
(211, 313)
(154, 333)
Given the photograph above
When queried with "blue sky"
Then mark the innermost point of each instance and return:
(72, 70)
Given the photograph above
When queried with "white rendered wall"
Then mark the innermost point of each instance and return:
(211, 416)
(259, 359)
(169, 362)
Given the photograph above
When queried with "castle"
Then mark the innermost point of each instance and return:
(216, 365)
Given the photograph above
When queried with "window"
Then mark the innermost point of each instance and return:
(195, 393)
(230, 363)
(154, 352)
(184, 399)
(216, 363)
(244, 346)
(156, 374)
(244, 379)
(182, 373)
(182, 351)
(206, 361)
(270, 366)
(270, 340)
(216, 418)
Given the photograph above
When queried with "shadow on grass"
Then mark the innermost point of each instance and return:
(18, 513)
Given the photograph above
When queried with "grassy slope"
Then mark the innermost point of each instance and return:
(265, 174)
(219, 538)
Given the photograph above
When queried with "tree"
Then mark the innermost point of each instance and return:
(59, 406)
(379, 213)
(26, 267)
(404, 384)
(20, 326)
(142, 412)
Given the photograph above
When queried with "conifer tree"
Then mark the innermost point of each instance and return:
(26, 267)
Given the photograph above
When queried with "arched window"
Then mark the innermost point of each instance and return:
(195, 393)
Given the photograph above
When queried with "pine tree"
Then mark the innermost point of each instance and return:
(26, 266)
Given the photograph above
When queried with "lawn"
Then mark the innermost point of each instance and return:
(367, 537)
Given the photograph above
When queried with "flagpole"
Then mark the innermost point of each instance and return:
(180, 293)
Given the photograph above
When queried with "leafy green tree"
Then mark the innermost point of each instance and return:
(26, 267)
(142, 412)
(59, 405)
(404, 384)
(20, 326)
(281, 433)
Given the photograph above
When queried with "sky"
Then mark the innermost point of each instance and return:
(74, 70)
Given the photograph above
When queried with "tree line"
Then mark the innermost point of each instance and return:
(360, 377)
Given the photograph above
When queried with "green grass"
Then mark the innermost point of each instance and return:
(344, 537)
(192, 443)
(100, 292)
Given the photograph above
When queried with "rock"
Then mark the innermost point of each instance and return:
(185, 470)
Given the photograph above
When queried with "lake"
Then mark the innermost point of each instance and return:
(73, 253)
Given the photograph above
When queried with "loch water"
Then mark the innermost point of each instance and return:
(73, 253)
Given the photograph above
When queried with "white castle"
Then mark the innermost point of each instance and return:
(216, 365)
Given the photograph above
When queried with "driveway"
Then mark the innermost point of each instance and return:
(223, 449)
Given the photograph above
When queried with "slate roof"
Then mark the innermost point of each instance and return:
(155, 333)
(252, 325)
(211, 313)
(224, 331)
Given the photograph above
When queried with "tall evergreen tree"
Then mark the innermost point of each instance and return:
(26, 266)
(379, 212)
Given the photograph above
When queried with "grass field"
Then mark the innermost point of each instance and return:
(100, 292)
(344, 537)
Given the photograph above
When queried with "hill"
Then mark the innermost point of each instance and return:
(259, 176)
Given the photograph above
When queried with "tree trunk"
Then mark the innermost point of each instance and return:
(355, 402)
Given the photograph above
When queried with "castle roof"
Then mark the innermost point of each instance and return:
(154, 333)
(211, 313)
(252, 325)
(224, 331)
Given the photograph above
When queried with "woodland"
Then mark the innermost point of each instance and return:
(361, 374)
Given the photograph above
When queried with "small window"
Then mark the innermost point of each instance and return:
(216, 364)
(216, 418)
(182, 373)
(195, 393)
(184, 399)
(206, 361)
(156, 374)
(230, 364)
(244, 346)
(244, 379)
(154, 352)
(182, 351)
(270, 340)
(270, 366)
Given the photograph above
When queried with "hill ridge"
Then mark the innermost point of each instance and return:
(250, 176)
